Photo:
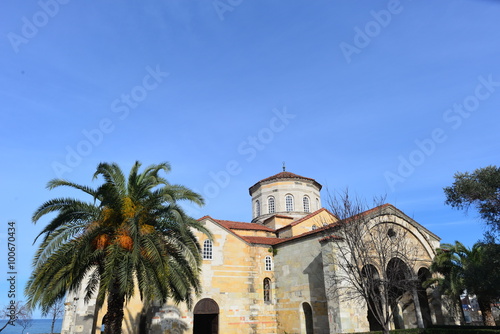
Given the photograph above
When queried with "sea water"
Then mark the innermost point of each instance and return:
(38, 326)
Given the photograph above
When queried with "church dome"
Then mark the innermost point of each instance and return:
(286, 194)
(282, 175)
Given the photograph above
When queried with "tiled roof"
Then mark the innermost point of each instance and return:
(232, 225)
(330, 237)
(261, 240)
(284, 175)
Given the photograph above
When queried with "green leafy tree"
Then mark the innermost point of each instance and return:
(480, 189)
(131, 233)
(475, 270)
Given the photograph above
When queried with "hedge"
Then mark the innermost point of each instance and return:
(443, 330)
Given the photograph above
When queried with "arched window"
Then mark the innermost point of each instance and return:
(270, 204)
(317, 204)
(305, 201)
(306, 316)
(267, 290)
(207, 250)
(268, 263)
(289, 203)
(257, 208)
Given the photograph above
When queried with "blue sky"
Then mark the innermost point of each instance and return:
(384, 97)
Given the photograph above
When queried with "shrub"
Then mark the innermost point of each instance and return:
(443, 330)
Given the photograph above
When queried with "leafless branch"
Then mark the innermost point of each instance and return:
(373, 257)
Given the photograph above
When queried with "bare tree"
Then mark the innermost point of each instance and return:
(373, 259)
(55, 312)
(16, 312)
(25, 323)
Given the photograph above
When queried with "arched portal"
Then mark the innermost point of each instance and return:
(398, 275)
(423, 275)
(306, 319)
(370, 277)
(206, 317)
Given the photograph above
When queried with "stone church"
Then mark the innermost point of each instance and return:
(268, 275)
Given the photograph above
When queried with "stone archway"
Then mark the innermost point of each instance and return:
(399, 297)
(206, 317)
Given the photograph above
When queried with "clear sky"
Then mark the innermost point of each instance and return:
(384, 97)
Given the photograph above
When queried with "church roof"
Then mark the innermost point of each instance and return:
(232, 225)
(283, 175)
(262, 240)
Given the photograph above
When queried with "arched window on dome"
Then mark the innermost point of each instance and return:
(257, 208)
(317, 204)
(305, 202)
(289, 203)
(207, 250)
(270, 204)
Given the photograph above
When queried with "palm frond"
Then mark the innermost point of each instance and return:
(132, 233)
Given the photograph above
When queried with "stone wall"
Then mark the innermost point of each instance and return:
(298, 267)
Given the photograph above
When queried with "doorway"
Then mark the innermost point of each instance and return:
(206, 317)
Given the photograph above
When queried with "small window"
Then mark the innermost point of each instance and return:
(391, 233)
(267, 290)
(317, 204)
(257, 208)
(270, 204)
(207, 250)
(314, 227)
(305, 201)
(289, 202)
(269, 263)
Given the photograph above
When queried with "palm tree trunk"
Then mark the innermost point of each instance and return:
(114, 316)
(485, 307)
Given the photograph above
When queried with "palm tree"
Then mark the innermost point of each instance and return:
(473, 270)
(449, 262)
(449, 265)
(482, 277)
(132, 233)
